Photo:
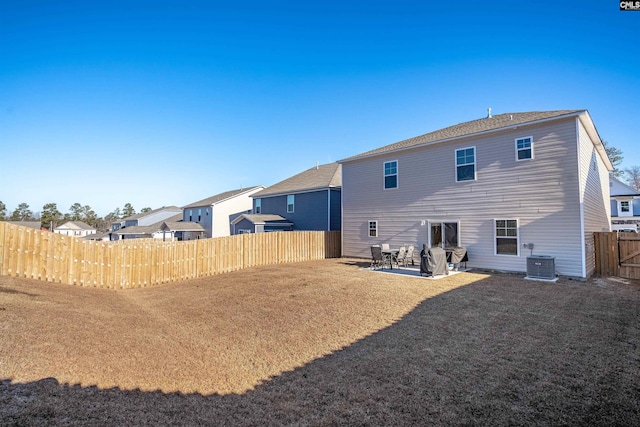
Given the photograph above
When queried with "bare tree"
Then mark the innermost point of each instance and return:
(633, 176)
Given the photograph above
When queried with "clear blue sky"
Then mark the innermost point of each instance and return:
(166, 103)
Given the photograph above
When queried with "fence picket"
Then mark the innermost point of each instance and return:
(64, 259)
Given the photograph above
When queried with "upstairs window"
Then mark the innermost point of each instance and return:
(290, 203)
(507, 237)
(258, 206)
(524, 148)
(625, 207)
(466, 164)
(373, 228)
(391, 174)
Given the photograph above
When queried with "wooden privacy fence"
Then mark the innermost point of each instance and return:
(617, 254)
(36, 254)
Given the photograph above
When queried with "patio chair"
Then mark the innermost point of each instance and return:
(377, 260)
(401, 257)
(409, 256)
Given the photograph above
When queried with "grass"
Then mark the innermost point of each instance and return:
(322, 343)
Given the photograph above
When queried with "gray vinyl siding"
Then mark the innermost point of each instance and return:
(205, 219)
(594, 186)
(542, 193)
(311, 209)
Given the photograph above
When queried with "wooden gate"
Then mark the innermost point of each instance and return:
(629, 255)
(617, 254)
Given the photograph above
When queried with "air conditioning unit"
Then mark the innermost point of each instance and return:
(541, 267)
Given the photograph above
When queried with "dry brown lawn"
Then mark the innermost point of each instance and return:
(322, 343)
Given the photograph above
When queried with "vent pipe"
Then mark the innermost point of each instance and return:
(489, 113)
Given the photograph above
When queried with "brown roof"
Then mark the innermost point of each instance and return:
(220, 197)
(147, 229)
(487, 124)
(323, 176)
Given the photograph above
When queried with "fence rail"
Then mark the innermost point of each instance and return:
(36, 254)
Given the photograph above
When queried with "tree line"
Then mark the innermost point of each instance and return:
(50, 216)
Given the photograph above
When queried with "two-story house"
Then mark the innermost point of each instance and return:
(136, 226)
(625, 206)
(216, 213)
(503, 187)
(310, 200)
(75, 228)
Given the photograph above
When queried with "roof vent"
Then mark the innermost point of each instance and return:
(489, 113)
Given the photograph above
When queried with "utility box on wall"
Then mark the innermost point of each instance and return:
(541, 267)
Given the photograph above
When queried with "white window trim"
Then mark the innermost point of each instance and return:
(620, 213)
(517, 150)
(397, 175)
(293, 205)
(369, 228)
(442, 222)
(495, 237)
(475, 163)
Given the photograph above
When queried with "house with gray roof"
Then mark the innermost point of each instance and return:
(260, 223)
(504, 187)
(74, 228)
(143, 219)
(216, 213)
(310, 200)
(625, 205)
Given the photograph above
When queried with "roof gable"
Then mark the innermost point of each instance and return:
(151, 212)
(223, 196)
(619, 188)
(318, 177)
(74, 225)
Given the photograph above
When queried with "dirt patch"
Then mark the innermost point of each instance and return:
(321, 343)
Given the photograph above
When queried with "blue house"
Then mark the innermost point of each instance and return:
(310, 200)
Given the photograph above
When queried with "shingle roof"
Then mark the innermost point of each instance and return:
(182, 226)
(323, 176)
(143, 214)
(30, 224)
(74, 225)
(487, 124)
(148, 229)
(261, 218)
(220, 197)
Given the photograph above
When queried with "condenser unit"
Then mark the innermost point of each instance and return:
(541, 267)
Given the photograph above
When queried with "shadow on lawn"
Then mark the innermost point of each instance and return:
(488, 353)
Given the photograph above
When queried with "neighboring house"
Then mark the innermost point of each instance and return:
(179, 230)
(152, 217)
(311, 200)
(75, 228)
(625, 205)
(215, 213)
(491, 185)
(155, 231)
(259, 223)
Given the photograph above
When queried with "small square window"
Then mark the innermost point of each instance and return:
(391, 174)
(624, 207)
(524, 148)
(466, 164)
(290, 203)
(373, 228)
